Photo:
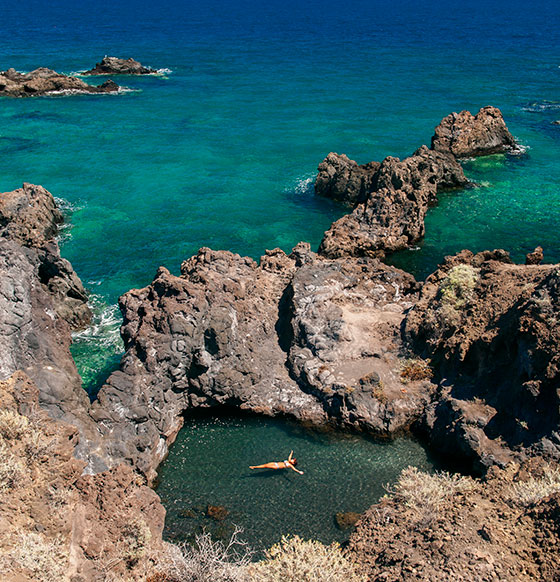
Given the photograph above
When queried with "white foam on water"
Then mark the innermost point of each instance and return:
(541, 106)
(304, 185)
(104, 329)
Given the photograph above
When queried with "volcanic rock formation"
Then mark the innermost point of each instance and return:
(298, 335)
(491, 330)
(47, 82)
(393, 198)
(41, 302)
(56, 523)
(465, 135)
(116, 66)
(443, 527)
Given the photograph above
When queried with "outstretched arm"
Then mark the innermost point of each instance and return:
(291, 455)
(296, 470)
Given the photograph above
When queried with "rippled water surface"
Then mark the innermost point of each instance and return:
(209, 464)
(222, 151)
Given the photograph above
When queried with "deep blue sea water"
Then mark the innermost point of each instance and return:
(222, 151)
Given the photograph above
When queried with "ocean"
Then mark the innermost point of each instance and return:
(222, 148)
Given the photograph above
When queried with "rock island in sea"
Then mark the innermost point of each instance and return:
(322, 337)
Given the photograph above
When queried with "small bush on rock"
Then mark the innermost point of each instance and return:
(206, 561)
(458, 287)
(295, 560)
(532, 491)
(416, 369)
(425, 493)
(12, 424)
(45, 558)
(12, 470)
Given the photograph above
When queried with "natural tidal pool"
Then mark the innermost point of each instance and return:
(209, 465)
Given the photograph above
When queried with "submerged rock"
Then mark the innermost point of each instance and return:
(44, 81)
(116, 66)
(217, 512)
(394, 197)
(465, 135)
(346, 519)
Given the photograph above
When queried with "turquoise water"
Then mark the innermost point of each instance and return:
(222, 151)
(209, 465)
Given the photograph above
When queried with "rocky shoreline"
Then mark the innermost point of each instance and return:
(42, 81)
(116, 66)
(468, 358)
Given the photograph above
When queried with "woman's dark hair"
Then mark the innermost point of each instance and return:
(294, 461)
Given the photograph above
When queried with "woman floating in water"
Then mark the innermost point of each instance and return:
(290, 463)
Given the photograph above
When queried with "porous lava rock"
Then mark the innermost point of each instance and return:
(342, 179)
(45, 81)
(465, 135)
(490, 328)
(393, 199)
(298, 335)
(116, 66)
(41, 302)
(56, 522)
(440, 528)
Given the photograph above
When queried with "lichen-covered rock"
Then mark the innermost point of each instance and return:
(396, 201)
(116, 66)
(44, 81)
(491, 331)
(465, 135)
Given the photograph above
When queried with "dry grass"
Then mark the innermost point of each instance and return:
(297, 560)
(12, 470)
(532, 491)
(13, 425)
(136, 536)
(45, 559)
(425, 494)
(414, 369)
(206, 561)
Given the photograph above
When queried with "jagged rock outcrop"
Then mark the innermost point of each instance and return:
(440, 528)
(44, 81)
(116, 66)
(397, 197)
(465, 135)
(298, 335)
(535, 257)
(491, 330)
(41, 302)
(56, 523)
(341, 178)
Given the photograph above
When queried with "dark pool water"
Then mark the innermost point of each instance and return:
(209, 464)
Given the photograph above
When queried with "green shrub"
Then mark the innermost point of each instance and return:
(457, 288)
